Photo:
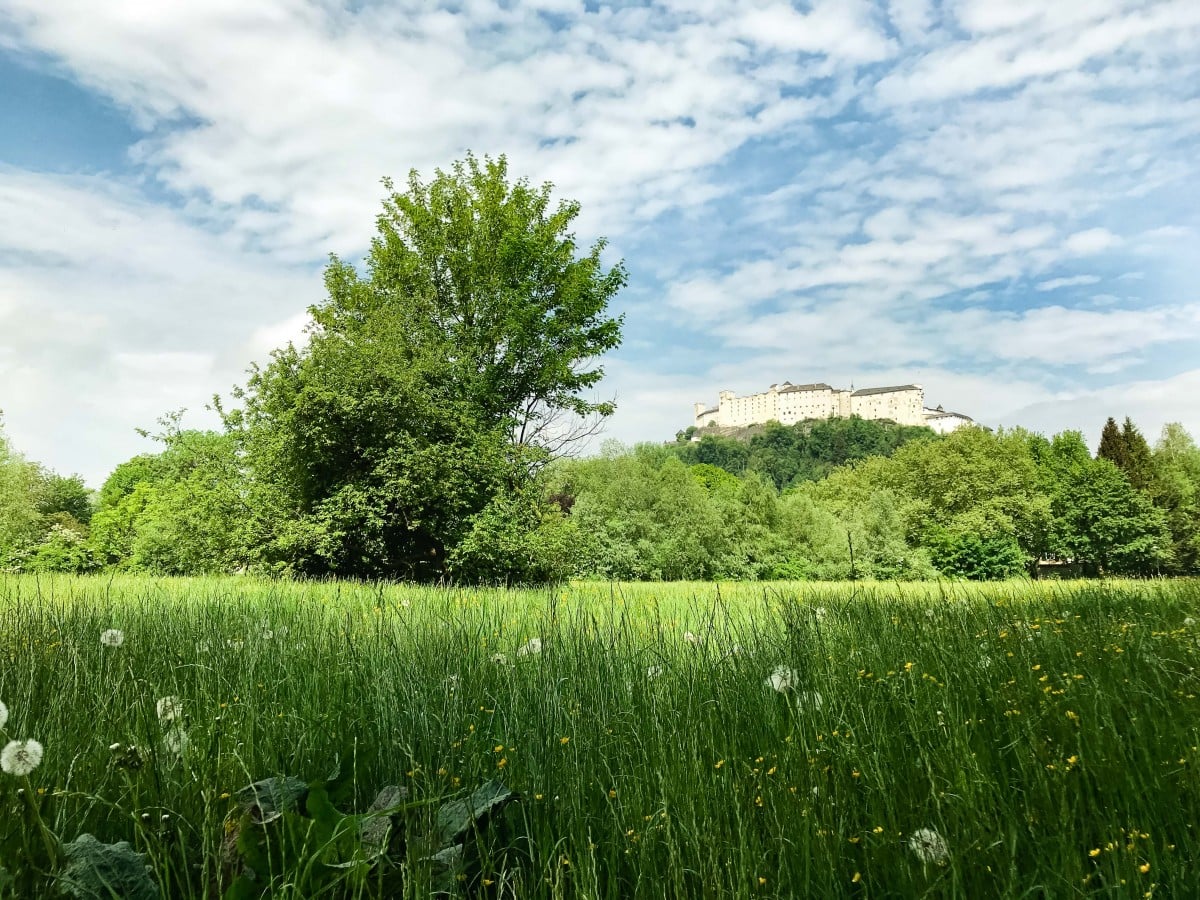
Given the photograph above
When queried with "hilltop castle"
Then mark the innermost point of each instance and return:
(789, 403)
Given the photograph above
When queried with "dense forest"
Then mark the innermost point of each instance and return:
(428, 428)
(836, 499)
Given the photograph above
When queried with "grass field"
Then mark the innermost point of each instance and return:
(871, 740)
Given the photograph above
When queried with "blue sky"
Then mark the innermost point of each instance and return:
(994, 198)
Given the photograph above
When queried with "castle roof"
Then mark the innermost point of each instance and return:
(819, 386)
(885, 390)
(940, 413)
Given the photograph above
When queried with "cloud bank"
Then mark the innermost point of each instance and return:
(992, 199)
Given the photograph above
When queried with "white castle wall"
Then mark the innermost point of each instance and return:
(788, 404)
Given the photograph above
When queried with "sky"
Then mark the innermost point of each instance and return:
(997, 199)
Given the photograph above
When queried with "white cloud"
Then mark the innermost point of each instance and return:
(118, 310)
(1054, 284)
(1094, 240)
(1151, 404)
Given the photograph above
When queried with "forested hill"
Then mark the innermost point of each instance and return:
(789, 454)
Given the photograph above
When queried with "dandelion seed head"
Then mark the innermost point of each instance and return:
(532, 648)
(112, 637)
(783, 679)
(3, 715)
(169, 709)
(929, 846)
(19, 758)
(500, 659)
(692, 638)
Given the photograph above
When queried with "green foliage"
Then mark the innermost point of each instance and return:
(43, 517)
(1099, 519)
(69, 496)
(20, 520)
(1138, 466)
(1112, 445)
(179, 512)
(806, 451)
(1108, 525)
(432, 389)
(516, 539)
(1175, 489)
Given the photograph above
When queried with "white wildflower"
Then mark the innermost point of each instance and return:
(169, 709)
(532, 648)
(112, 637)
(3, 715)
(406, 603)
(929, 846)
(114, 748)
(782, 679)
(176, 740)
(1189, 622)
(820, 612)
(267, 634)
(20, 757)
(653, 671)
(693, 639)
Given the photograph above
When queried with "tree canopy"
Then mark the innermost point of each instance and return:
(433, 386)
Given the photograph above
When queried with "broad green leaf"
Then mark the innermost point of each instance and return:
(96, 871)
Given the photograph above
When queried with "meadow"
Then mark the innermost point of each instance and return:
(877, 740)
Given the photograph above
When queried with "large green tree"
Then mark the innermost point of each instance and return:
(1175, 489)
(433, 386)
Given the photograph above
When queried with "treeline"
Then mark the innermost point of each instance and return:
(973, 504)
(859, 500)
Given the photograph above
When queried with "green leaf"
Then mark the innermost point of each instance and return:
(376, 824)
(268, 799)
(455, 819)
(96, 871)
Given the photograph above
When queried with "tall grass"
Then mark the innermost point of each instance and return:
(1050, 733)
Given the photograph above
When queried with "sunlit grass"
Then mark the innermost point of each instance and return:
(1048, 733)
